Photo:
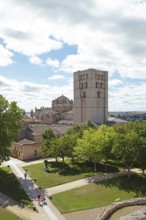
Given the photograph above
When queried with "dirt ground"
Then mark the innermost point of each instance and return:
(92, 214)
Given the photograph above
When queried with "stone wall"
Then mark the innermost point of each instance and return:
(108, 211)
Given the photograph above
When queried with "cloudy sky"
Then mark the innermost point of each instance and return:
(43, 42)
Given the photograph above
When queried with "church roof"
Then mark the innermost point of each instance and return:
(38, 129)
(61, 98)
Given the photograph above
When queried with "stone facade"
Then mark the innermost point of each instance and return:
(62, 109)
(30, 136)
(90, 96)
(25, 149)
(90, 103)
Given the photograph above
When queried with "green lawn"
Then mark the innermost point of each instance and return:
(10, 186)
(6, 215)
(58, 174)
(101, 194)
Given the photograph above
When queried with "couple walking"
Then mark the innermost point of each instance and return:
(41, 199)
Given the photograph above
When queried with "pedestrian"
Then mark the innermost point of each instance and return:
(25, 175)
(43, 199)
(39, 197)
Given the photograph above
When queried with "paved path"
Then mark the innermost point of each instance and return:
(46, 212)
(67, 186)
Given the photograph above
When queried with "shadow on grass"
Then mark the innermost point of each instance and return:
(10, 186)
(70, 168)
(136, 184)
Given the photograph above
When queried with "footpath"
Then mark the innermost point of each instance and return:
(48, 211)
(45, 212)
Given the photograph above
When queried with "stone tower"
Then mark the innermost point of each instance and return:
(90, 96)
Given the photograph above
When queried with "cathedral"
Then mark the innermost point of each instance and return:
(60, 112)
(90, 104)
(90, 101)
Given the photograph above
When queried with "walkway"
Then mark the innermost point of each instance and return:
(67, 186)
(46, 212)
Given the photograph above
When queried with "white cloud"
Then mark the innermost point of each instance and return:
(115, 82)
(52, 62)
(56, 77)
(5, 56)
(30, 95)
(35, 60)
(128, 98)
(109, 35)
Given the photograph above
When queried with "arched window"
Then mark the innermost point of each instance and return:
(85, 85)
(99, 94)
(81, 85)
(97, 85)
(101, 85)
(102, 77)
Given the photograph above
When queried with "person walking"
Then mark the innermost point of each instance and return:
(39, 198)
(25, 175)
(43, 199)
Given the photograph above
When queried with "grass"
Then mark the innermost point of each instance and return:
(60, 174)
(101, 194)
(10, 186)
(6, 215)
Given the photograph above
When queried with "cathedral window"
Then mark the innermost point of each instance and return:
(85, 85)
(81, 85)
(99, 94)
(84, 76)
(101, 85)
(102, 77)
(97, 85)
(83, 94)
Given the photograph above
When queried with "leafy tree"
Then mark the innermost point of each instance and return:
(105, 138)
(79, 129)
(24, 113)
(87, 148)
(139, 127)
(63, 146)
(126, 147)
(46, 145)
(10, 117)
(141, 156)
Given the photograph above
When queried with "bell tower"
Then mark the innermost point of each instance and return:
(90, 96)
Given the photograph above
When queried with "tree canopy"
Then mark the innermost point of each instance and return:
(10, 118)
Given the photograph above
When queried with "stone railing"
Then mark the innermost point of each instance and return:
(109, 210)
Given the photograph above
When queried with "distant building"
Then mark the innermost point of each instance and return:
(62, 109)
(90, 96)
(90, 104)
(29, 144)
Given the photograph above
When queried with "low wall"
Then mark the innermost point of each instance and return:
(108, 211)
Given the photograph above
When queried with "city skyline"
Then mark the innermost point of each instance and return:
(43, 42)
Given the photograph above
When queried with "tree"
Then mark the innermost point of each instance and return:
(126, 147)
(105, 138)
(87, 148)
(10, 118)
(46, 144)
